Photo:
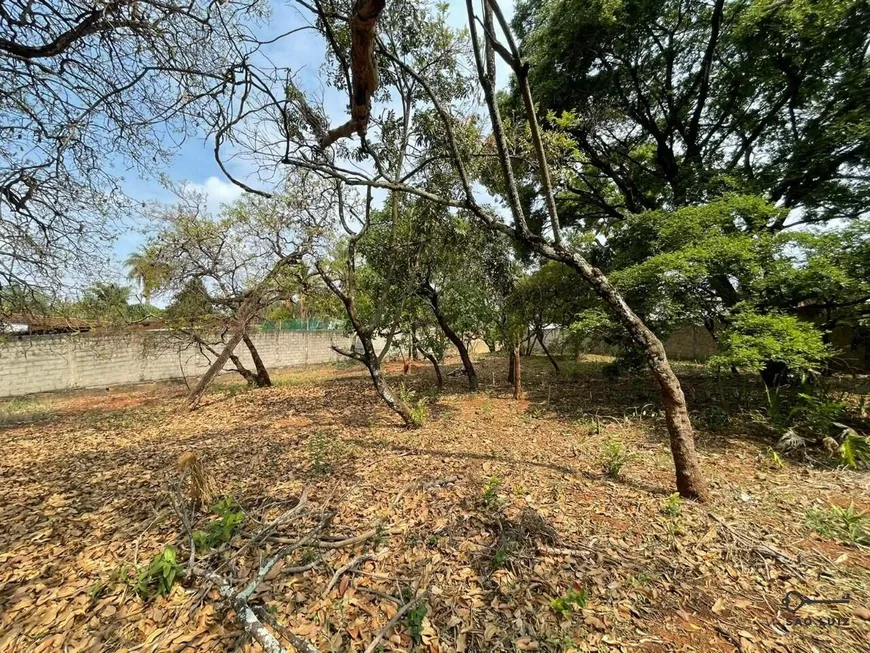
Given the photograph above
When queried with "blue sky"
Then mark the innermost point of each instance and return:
(194, 164)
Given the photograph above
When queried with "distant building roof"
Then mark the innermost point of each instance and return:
(24, 324)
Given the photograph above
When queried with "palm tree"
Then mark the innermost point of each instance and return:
(146, 270)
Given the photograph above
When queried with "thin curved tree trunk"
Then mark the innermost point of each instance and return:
(243, 371)
(540, 334)
(690, 481)
(369, 358)
(439, 377)
(262, 379)
(511, 365)
(429, 293)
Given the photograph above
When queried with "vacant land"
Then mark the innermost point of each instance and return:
(513, 516)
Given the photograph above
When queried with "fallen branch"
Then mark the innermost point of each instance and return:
(342, 570)
(246, 615)
(282, 553)
(373, 645)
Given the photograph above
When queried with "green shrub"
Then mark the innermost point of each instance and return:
(854, 449)
(753, 340)
(417, 408)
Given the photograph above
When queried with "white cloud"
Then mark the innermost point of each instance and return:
(217, 190)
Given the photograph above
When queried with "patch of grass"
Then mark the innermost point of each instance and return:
(574, 599)
(501, 555)
(641, 578)
(848, 525)
(24, 409)
(324, 450)
(614, 458)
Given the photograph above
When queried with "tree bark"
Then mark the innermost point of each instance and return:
(540, 333)
(262, 378)
(511, 365)
(517, 376)
(429, 293)
(370, 359)
(217, 365)
(439, 377)
(243, 371)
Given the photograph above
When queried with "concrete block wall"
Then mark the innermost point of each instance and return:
(60, 362)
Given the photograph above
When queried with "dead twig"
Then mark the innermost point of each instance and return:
(350, 565)
(373, 645)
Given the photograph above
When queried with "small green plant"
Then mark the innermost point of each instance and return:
(574, 599)
(640, 579)
(537, 412)
(417, 408)
(614, 458)
(158, 577)
(854, 449)
(415, 621)
(219, 531)
(324, 450)
(500, 557)
(490, 492)
(672, 505)
(848, 525)
(773, 459)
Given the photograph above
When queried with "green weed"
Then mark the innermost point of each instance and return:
(574, 599)
(490, 492)
(415, 618)
(324, 450)
(848, 525)
(672, 505)
(219, 531)
(614, 458)
(158, 577)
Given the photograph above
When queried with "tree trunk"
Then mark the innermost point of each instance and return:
(429, 293)
(216, 366)
(262, 379)
(243, 371)
(517, 376)
(511, 365)
(547, 351)
(439, 377)
(690, 481)
(373, 363)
